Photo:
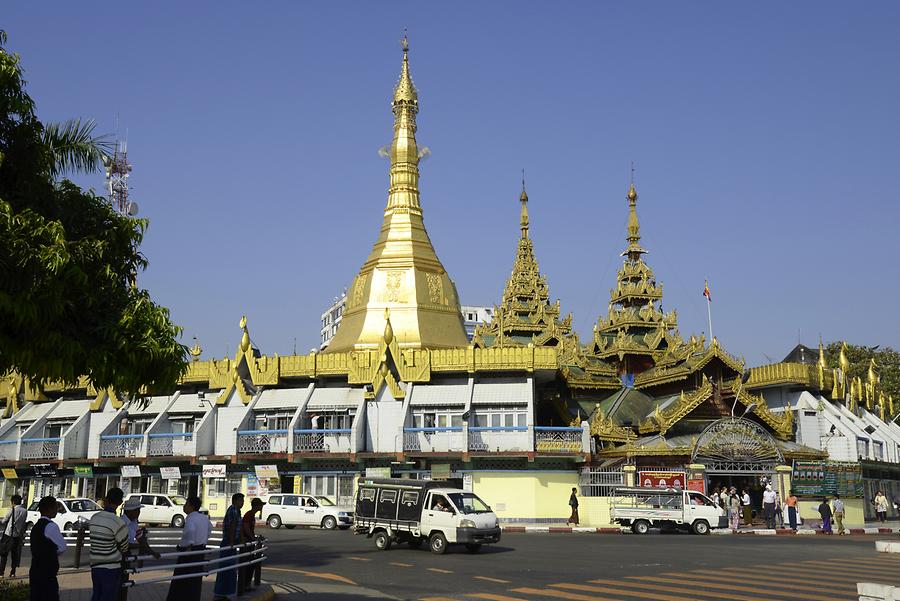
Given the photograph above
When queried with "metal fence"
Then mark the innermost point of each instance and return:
(600, 483)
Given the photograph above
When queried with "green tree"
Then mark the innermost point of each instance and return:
(887, 361)
(67, 260)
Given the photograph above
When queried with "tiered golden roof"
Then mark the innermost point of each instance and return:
(525, 314)
(403, 273)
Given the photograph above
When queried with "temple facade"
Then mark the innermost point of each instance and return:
(521, 413)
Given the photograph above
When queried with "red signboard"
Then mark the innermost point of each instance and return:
(661, 479)
(698, 485)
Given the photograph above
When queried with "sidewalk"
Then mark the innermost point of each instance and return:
(76, 586)
(562, 528)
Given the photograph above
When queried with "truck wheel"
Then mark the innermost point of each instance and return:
(178, 521)
(438, 543)
(274, 522)
(382, 540)
(700, 527)
(329, 523)
(641, 527)
(473, 547)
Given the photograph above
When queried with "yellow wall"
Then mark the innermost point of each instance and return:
(526, 495)
(853, 512)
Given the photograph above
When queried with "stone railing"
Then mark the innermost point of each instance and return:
(322, 441)
(549, 439)
(499, 438)
(259, 442)
(121, 445)
(434, 440)
(40, 448)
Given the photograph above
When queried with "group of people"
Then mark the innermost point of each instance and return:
(736, 504)
(114, 537)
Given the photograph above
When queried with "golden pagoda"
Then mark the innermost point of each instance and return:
(403, 273)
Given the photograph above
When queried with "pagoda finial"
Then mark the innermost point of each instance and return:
(523, 198)
(405, 90)
(404, 189)
(634, 227)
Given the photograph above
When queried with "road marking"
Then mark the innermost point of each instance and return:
(325, 575)
(718, 575)
(561, 594)
(811, 573)
(402, 565)
(360, 558)
(492, 597)
(440, 571)
(836, 566)
(487, 578)
(437, 599)
(614, 589)
(834, 572)
(671, 589)
(697, 582)
(873, 560)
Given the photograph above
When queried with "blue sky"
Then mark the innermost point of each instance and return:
(766, 138)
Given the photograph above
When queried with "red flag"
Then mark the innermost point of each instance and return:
(706, 292)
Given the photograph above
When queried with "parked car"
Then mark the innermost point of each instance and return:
(71, 511)
(305, 510)
(161, 509)
(393, 510)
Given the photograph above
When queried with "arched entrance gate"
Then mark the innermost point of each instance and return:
(734, 446)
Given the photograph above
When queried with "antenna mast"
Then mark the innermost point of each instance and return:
(117, 170)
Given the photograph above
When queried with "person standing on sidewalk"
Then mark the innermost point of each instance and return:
(734, 509)
(881, 506)
(747, 508)
(226, 580)
(13, 528)
(769, 498)
(252, 573)
(109, 545)
(137, 536)
(825, 513)
(837, 510)
(194, 537)
(573, 503)
(792, 510)
(47, 544)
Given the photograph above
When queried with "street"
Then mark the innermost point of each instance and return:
(582, 566)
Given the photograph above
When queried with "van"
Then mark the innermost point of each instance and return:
(394, 510)
(305, 510)
(666, 508)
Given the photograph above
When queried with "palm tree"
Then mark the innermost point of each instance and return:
(75, 148)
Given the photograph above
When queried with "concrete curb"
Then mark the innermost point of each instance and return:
(722, 531)
(887, 546)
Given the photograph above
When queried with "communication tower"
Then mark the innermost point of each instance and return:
(117, 170)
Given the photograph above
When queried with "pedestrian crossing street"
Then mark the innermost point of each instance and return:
(813, 580)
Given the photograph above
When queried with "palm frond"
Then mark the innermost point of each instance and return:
(75, 147)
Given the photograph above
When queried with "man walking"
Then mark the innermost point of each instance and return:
(573, 503)
(792, 510)
(838, 513)
(13, 528)
(252, 573)
(109, 545)
(825, 513)
(195, 537)
(47, 544)
(769, 506)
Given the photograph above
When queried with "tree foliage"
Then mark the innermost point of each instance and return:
(887, 361)
(67, 262)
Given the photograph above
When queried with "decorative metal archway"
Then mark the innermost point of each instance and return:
(737, 446)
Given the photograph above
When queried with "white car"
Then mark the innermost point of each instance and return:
(160, 509)
(71, 511)
(305, 510)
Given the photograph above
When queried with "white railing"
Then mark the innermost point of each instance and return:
(171, 444)
(499, 438)
(548, 439)
(121, 445)
(40, 448)
(325, 441)
(256, 442)
(434, 440)
(600, 483)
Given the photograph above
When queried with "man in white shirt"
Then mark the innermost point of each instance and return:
(195, 536)
(13, 537)
(137, 536)
(47, 544)
(769, 506)
(748, 510)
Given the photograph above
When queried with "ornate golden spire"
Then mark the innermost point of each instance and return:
(523, 219)
(402, 273)
(634, 249)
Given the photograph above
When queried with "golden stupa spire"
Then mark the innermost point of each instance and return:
(523, 198)
(634, 250)
(403, 273)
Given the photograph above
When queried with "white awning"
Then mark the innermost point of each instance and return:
(71, 409)
(439, 395)
(149, 406)
(341, 397)
(190, 403)
(281, 398)
(501, 393)
(35, 412)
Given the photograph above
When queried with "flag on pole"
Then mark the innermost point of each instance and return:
(706, 292)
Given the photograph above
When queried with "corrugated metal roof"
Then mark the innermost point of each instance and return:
(152, 406)
(281, 398)
(336, 397)
(190, 403)
(439, 394)
(36, 411)
(505, 393)
(69, 409)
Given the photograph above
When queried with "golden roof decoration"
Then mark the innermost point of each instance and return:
(405, 90)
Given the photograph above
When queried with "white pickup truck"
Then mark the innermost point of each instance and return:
(665, 508)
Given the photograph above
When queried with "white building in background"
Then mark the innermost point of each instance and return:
(472, 315)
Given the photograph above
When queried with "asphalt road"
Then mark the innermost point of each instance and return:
(583, 566)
